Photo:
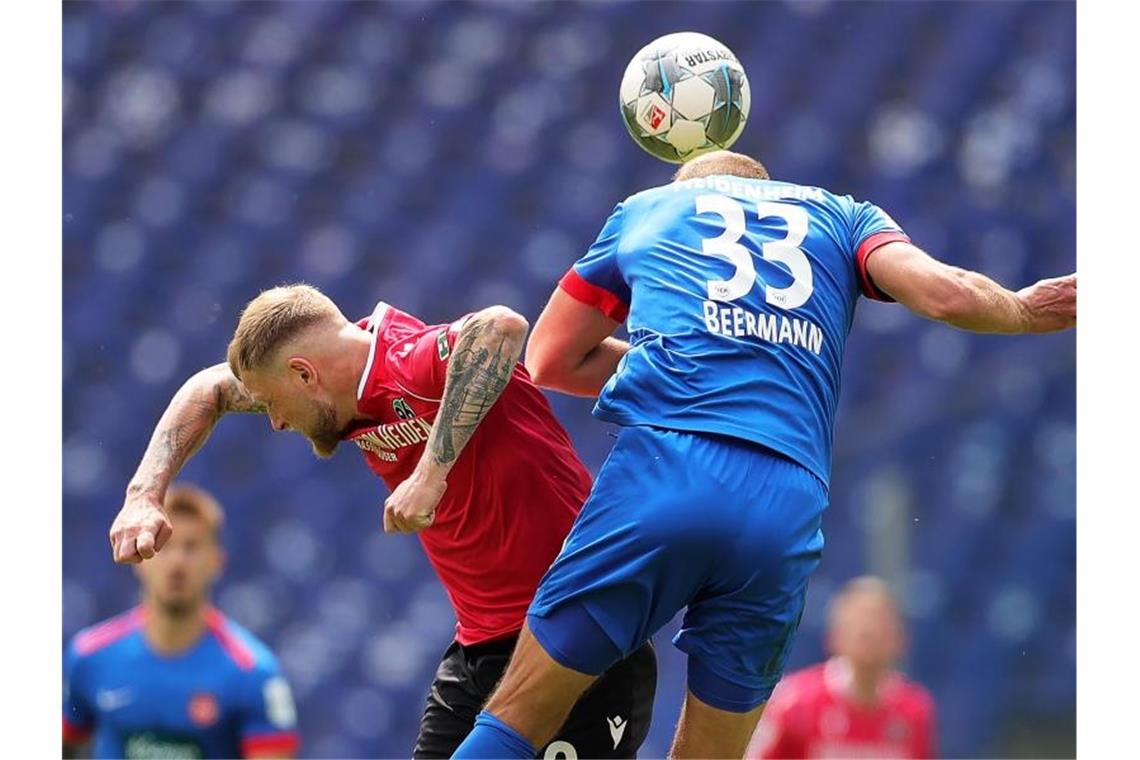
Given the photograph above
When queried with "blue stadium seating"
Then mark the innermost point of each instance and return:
(444, 156)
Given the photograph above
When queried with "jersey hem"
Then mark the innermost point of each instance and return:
(467, 640)
(748, 436)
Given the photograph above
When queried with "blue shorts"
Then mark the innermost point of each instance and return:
(724, 527)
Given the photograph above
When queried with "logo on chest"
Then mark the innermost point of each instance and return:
(203, 709)
(387, 439)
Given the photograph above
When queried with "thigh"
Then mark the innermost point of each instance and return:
(739, 628)
(705, 731)
(536, 693)
(453, 702)
(636, 554)
(611, 719)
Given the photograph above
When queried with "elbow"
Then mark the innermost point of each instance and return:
(948, 310)
(545, 362)
(506, 322)
(538, 364)
(951, 302)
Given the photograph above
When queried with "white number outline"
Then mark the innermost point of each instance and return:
(785, 250)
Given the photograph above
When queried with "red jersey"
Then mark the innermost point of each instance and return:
(812, 715)
(512, 494)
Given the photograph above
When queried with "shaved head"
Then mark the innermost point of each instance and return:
(721, 162)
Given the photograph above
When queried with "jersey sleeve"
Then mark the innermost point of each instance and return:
(266, 713)
(78, 715)
(871, 227)
(419, 363)
(595, 279)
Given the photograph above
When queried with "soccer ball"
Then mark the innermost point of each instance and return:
(684, 94)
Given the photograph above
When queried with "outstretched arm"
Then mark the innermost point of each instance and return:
(968, 300)
(141, 527)
(486, 351)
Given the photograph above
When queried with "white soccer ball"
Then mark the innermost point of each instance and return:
(684, 94)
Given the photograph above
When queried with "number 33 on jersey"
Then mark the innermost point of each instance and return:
(738, 295)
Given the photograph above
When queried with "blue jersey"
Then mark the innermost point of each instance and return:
(223, 697)
(739, 295)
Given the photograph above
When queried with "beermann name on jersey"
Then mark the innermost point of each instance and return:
(740, 323)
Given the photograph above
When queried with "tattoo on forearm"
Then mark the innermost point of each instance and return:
(186, 425)
(480, 369)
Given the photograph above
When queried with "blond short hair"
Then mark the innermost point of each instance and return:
(722, 162)
(191, 501)
(276, 316)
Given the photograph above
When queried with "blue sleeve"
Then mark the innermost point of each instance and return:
(78, 715)
(596, 279)
(267, 716)
(871, 227)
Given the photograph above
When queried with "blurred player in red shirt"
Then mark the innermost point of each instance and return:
(478, 465)
(854, 705)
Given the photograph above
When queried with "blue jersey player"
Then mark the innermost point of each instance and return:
(738, 293)
(174, 677)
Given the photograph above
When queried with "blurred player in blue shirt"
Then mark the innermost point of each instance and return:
(738, 293)
(174, 677)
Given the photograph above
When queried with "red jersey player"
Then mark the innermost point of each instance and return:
(855, 705)
(447, 409)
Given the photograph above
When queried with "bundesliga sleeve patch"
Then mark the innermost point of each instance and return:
(444, 346)
(279, 706)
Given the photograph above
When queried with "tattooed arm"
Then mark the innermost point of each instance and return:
(141, 527)
(485, 354)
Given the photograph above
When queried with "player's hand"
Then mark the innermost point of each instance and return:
(1051, 304)
(140, 530)
(411, 506)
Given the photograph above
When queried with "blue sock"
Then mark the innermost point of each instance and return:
(492, 738)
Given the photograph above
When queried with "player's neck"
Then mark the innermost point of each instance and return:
(864, 685)
(860, 684)
(357, 345)
(171, 633)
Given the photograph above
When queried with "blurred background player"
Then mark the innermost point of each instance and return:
(739, 293)
(477, 463)
(174, 677)
(855, 704)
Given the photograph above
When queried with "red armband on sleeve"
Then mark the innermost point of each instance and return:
(590, 294)
(869, 244)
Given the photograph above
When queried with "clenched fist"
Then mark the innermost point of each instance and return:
(411, 507)
(140, 530)
(1051, 304)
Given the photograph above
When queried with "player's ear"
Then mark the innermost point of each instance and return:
(302, 369)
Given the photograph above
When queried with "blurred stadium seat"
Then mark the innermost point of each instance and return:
(445, 156)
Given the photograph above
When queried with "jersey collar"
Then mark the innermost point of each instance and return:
(839, 679)
(374, 321)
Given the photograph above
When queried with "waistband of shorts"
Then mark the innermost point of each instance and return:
(726, 439)
(502, 645)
